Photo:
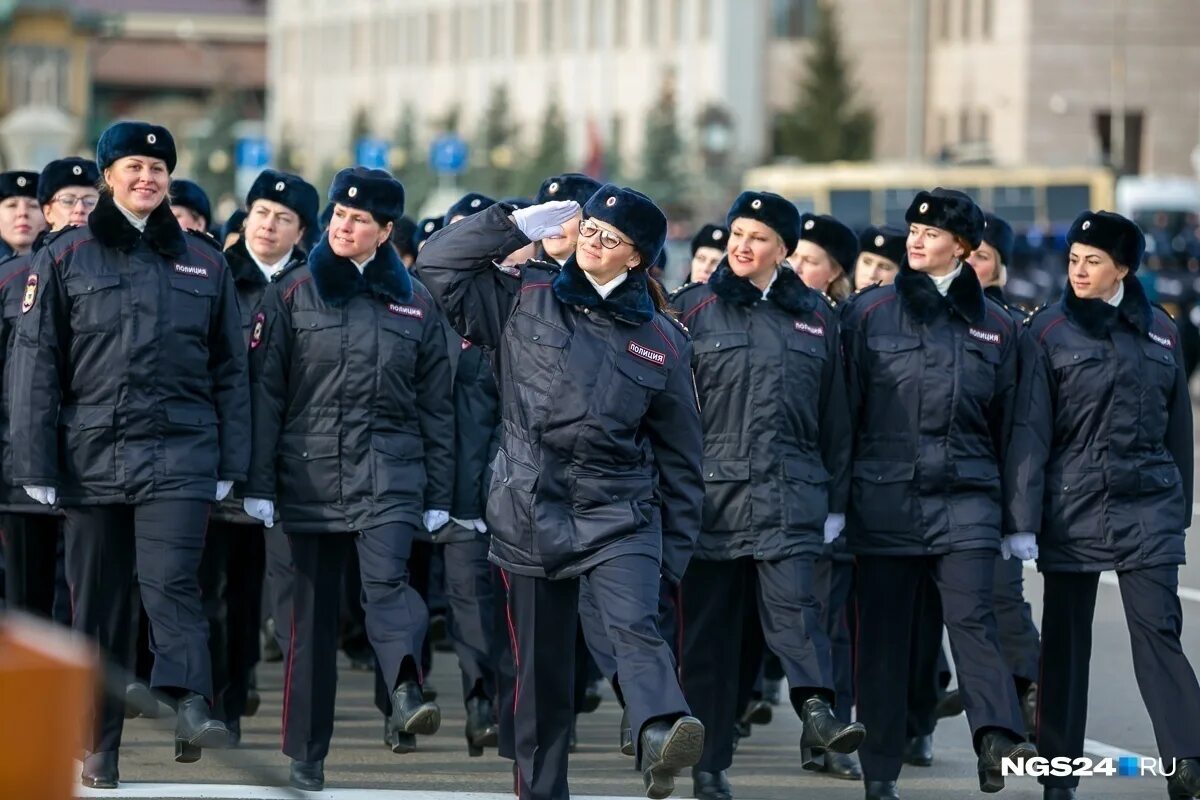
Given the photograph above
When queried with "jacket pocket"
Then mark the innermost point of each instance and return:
(974, 501)
(726, 495)
(538, 351)
(89, 443)
(310, 468)
(629, 392)
(191, 304)
(1161, 496)
(509, 512)
(805, 494)
(881, 495)
(399, 468)
(804, 361)
(95, 302)
(318, 336)
(1075, 505)
(398, 342)
(606, 507)
(190, 443)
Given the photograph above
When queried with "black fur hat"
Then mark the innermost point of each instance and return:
(288, 190)
(831, 235)
(189, 195)
(999, 234)
(517, 202)
(713, 236)
(1121, 238)
(135, 139)
(777, 213)
(568, 186)
(372, 190)
(949, 210)
(888, 241)
(633, 214)
(470, 203)
(404, 237)
(426, 228)
(65, 172)
(19, 184)
(233, 224)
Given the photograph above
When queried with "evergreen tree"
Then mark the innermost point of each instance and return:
(409, 163)
(550, 157)
(663, 176)
(826, 124)
(495, 154)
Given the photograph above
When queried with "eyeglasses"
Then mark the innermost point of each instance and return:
(68, 201)
(608, 239)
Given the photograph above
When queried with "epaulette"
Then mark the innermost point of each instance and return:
(1029, 317)
(205, 237)
(682, 328)
(543, 265)
(294, 264)
(684, 288)
(52, 235)
(857, 293)
(1160, 308)
(832, 303)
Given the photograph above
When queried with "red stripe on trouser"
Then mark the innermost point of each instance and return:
(287, 680)
(512, 638)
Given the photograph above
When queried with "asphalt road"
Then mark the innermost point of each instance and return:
(766, 766)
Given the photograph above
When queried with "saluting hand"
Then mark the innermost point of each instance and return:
(545, 220)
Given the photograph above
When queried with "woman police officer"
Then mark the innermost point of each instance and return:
(1101, 462)
(776, 457)
(930, 370)
(350, 386)
(880, 251)
(598, 471)
(130, 404)
(825, 250)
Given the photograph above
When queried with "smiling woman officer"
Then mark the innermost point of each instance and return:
(1102, 462)
(130, 405)
(598, 471)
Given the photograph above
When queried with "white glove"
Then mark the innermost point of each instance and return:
(46, 495)
(435, 519)
(471, 524)
(833, 527)
(261, 510)
(223, 489)
(545, 220)
(1022, 545)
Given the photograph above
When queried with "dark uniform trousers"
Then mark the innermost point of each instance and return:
(31, 546)
(396, 623)
(928, 668)
(279, 575)
(231, 577)
(1019, 641)
(833, 584)
(714, 596)
(594, 633)
(164, 542)
(542, 612)
(1166, 680)
(888, 590)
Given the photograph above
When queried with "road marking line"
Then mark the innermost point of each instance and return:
(1102, 750)
(1110, 579)
(201, 791)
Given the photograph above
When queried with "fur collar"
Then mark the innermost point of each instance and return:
(922, 300)
(1096, 317)
(630, 302)
(788, 292)
(241, 264)
(337, 279)
(162, 235)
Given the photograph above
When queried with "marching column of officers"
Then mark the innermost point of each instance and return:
(762, 476)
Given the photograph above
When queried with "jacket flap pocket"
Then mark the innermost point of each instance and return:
(727, 469)
(604, 489)
(190, 414)
(397, 445)
(200, 287)
(1157, 353)
(409, 329)
(532, 329)
(809, 345)
(798, 469)
(883, 471)
(1066, 357)
(315, 320)
(718, 342)
(988, 352)
(512, 474)
(1157, 478)
(308, 445)
(1076, 482)
(87, 417)
(979, 469)
(642, 373)
(87, 284)
(893, 343)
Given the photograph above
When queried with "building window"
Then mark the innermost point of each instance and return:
(548, 26)
(703, 19)
(793, 19)
(521, 28)
(650, 20)
(983, 131)
(944, 22)
(620, 22)
(676, 21)
(985, 22)
(965, 19)
(964, 126)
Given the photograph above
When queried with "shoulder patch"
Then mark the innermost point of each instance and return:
(31, 287)
(256, 333)
(509, 270)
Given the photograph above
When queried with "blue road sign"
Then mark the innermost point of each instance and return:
(252, 152)
(372, 153)
(448, 154)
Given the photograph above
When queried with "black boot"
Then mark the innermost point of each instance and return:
(1185, 783)
(823, 731)
(758, 712)
(100, 770)
(253, 698)
(772, 691)
(710, 785)
(950, 704)
(882, 790)
(308, 776)
(993, 749)
(411, 713)
(842, 766)
(666, 749)
(626, 734)
(1058, 793)
(918, 751)
(481, 731)
(1029, 711)
(235, 731)
(572, 737)
(140, 701)
(195, 729)
(591, 698)
(398, 742)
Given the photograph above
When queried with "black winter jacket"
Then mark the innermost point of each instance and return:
(476, 430)
(128, 374)
(600, 448)
(931, 382)
(350, 387)
(773, 405)
(1101, 455)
